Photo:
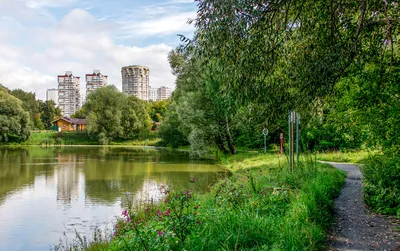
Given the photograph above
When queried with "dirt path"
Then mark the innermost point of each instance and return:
(356, 227)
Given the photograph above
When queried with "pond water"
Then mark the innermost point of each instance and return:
(48, 193)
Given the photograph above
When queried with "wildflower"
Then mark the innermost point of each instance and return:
(125, 213)
(198, 222)
(128, 219)
(167, 212)
(160, 233)
(166, 200)
(196, 207)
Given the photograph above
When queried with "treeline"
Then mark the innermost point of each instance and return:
(21, 112)
(112, 115)
(336, 63)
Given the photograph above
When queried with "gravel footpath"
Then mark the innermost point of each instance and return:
(356, 227)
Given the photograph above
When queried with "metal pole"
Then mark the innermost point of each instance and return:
(265, 143)
(290, 136)
(297, 138)
(265, 133)
(292, 140)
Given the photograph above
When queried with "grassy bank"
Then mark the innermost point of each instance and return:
(261, 206)
(82, 138)
(345, 157)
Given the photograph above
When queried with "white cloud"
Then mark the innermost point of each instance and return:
(79, 42)
(168, 24)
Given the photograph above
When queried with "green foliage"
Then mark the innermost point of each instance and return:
(256, 209)
(104, 108)
(80, 114)
(112, 115)
(157, 110)
(31, 105)
(14, 120)
(48, 113)
(382, 186)
(164, 228)
(135, 118)
(169, 132)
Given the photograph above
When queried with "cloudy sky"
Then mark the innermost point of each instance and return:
(40, 39)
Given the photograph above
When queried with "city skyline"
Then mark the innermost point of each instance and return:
(84, 35)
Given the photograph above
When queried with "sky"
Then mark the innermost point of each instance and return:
(40, 39)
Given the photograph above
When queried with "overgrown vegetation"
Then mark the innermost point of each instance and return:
(49, 138)
(382, 183)
(257, 208)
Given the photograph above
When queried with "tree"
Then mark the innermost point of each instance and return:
(157, 110)
(80, 114)
(292, 52)
(48, 112)
(14, 120)
(111, 114)
(104, 109)
(31, 105)
(204, 116)
(135, 118)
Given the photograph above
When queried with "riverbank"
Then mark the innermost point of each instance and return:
(261, 206)
(49, 138)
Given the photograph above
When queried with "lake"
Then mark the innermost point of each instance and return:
(48, 193)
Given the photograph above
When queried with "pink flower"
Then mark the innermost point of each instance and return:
(167, 212)
(125, 213)
(196, 207)
(160, 233)
(128, 219)
(166, 200)
(198, 222)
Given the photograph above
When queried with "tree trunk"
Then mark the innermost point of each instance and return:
(220, 143)
(229, 140)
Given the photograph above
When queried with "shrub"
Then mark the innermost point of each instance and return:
(382, 183)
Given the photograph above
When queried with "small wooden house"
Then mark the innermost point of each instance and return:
(67, 124)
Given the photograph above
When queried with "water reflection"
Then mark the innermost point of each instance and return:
(67, 188)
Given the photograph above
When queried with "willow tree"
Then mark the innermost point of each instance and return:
(285, 54)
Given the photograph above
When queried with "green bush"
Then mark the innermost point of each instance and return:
(382, 183)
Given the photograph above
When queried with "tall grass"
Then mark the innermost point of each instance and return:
(346, 157)
(260, 207)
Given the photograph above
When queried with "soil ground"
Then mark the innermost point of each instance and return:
(356, 227)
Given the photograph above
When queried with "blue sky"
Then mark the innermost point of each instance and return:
(40, 39)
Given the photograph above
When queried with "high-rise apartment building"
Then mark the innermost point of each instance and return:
(69, 93)
(52, 94)
(95, 80)
(136, 81)
(164, 93)
(153, 94)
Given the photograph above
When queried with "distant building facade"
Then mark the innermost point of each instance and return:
(164, 93)
(52, 94)
(153, 94)
(161, 93)
(69, 98)
(136, 81)
(95, 81)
